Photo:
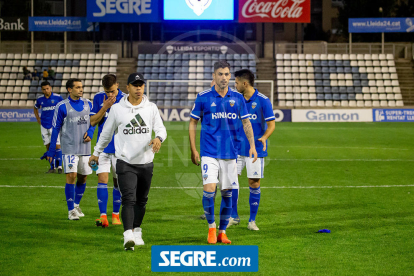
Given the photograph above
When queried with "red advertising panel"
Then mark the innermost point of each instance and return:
(279, 11)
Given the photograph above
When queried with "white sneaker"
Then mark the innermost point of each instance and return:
(73, 215)
(129, 240)
(252, 226)
(138, 236)
(79, 211)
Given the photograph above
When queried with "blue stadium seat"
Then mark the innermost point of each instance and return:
(168, 96)
(184, 76)
(193, 56)
(177, 76)
(324, 63)
(141, 63)
(39, 89)
(148, 62)
(200, 56)
(59, 76)
(358, 89)
(51, 82)
(207, 76)
(170, 63)
(332, 63)
(58, 83)
(351, 97)
(325, 70)
(347, 70)
(320, 96)
(214, 56)
(339, 63)
(170, 77)
(252, 63)
(163, 63)
(155, 76)
(141, 56)
(147, 70)
(355, 69)
(238, 57)
(167, 103)
(160, 89)
(162, 76)
(237, 63)
(184, 70)
(350, 89)
(327, 90)
(75, 63)
(245, 63)
(318, 83)
(229, 57)
(163, 57)
(319, 89)
(207, 57)
(31, 96)
(363, 76)
(153, 89)
(357, 83)
(183, 103)
(176, 103)
(177, 69)
(53, 62)
(344, 96)
(34, 83)
(364, 83)
(170, 57)
(160, 96)
(60, 63)
(68, 63)
(335, 89)
(162, 70)
(148, 56)
(252, 56)
(317, 63)
(328, 96)
(336, 97)
(185, 63)
(153, 97)
(38, 63)
(154, 70)
(326, 76)
(326, 83)
(177, 63)
(318, 76)
(342, 89)
(155, 63)
(185, 56)
(46, 63)
(147, 76)
(356, 76)
(340, 70)
(253, 69)
(33, 89)
(333, 69)
(222, 57)
(156, 57)
(168, 89)
(140, 69)
(208, 69)
(160, 103)
(346, 63)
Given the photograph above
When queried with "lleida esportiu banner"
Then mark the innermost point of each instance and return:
(279, 11)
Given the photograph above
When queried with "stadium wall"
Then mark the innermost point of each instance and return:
(282, 115)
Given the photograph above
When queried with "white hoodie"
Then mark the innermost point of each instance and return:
(133, 126)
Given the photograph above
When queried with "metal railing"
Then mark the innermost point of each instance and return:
(271, 82)
(58, 47)
(399, 50)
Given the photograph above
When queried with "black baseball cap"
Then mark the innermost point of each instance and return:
(135, 78)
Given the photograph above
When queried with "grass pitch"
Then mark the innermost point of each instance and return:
(355, 179)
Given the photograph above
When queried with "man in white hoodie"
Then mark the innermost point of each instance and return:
(133, 119)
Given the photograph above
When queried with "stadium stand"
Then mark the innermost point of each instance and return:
(322, 80)
(16, 92)
(189, 68)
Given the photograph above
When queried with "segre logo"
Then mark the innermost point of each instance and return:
(204, 259)
(123, 6)
(224, 115)
(48, 108)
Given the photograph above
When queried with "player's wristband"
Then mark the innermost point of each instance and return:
(159, 138)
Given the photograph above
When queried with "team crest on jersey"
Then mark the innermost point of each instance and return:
(254, 104)
(53, 101)
(198, 6)
(85, 107)
(232, 102)
(70, 166)
(205, 176)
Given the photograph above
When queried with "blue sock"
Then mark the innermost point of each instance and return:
(102, 193)
(52, 165)
(58, 158)
(234, 201)
(116, 194)
(225, 209)
(79, 190)
(70, 195)
(208, 205)
(254, 201)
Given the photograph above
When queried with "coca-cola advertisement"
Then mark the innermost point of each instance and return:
(275, 11)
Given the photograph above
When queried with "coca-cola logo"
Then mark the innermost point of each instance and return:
(275, 11)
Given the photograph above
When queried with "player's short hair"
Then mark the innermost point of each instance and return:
(45, 83)
(221, 64)
(109, 80)
(245, 74)
(71, 83)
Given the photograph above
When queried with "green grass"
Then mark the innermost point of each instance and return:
(372, 227)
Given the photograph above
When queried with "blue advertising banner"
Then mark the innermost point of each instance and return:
(393, 115)
(200, 258)
(17, 115)
(381, 25)
(283, 115)
(123, 11)
(59, 24)
(199, 10)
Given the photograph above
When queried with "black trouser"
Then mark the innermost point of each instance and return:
(134, 183)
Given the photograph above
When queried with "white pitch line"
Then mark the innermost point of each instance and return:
(262, 187)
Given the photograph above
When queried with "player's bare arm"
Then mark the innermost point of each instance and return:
(270, 128)
(36, 113)
(95, 119)
(195, 156)
(248, 130)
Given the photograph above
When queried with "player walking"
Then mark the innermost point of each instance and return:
(71, 118)
(133, 121)
(263, 124)
(220, 110)
(102, 103)
(47, 104)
